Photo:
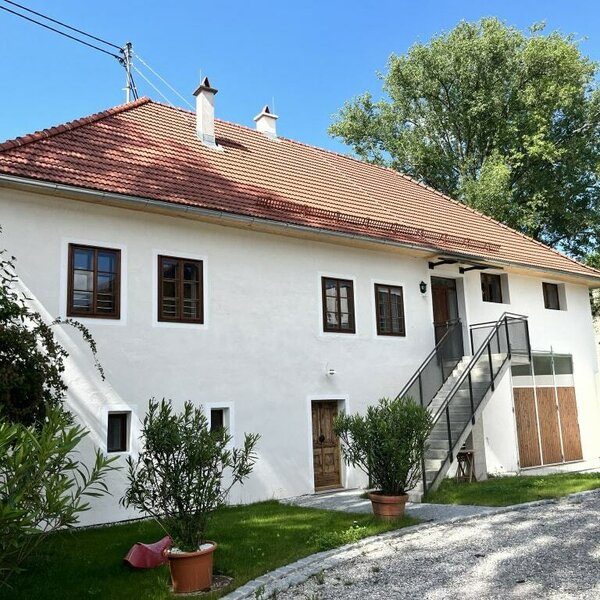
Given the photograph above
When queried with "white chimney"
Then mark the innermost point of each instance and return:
(205, 113)
(265, 122)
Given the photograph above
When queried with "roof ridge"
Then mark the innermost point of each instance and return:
(49, 132)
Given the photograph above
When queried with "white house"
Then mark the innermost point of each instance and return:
(276, 283)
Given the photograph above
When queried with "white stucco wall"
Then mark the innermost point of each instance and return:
(262, 349)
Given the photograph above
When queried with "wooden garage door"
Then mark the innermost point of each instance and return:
(554, 429)
(527, 429)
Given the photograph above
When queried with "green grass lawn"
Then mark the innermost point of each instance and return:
(252, 540)
(504, 491)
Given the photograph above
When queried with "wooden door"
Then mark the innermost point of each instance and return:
(569, 423)
(445, 305)
(549, 427)
(527, 428)
(326, 447)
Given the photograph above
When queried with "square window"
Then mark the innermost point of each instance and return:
(117, 436)
(338, 305)
(551, 296)
(491, 287)
(389, 308)
(94, 282)
(180, 290)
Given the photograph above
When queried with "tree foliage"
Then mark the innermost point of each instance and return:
(43, 487)
(32, 361)
(505, 121)
(387, 443)
(178, 477)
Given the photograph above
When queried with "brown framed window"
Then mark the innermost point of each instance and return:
(94, 282)
(118, 432)
(551, 296)
(180, 290)
(389, 308)
(338, 305)
(491, 287)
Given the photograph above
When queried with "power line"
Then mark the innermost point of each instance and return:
(62, 24)
(151, 84)
(163, 80)
(62, 33)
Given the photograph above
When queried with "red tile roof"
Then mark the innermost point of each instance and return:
(150, 150)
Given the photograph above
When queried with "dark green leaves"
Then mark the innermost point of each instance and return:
(507, 122)
(178, 476)
(387, 443)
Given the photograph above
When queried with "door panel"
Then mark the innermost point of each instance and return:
(527, 428)
(569, 423)
(326, 448)
(549, 428)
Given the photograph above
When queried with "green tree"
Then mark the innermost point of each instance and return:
(504, 121)
(32, 361)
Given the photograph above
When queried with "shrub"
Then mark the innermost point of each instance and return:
(42, 486)
(178, 476)
(387, 443)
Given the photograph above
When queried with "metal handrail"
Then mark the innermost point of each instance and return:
(476, 355)
(452, 324)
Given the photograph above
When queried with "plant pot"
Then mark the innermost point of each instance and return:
(388, 507)
(192, 571)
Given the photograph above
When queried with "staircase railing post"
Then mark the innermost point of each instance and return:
(424, 474)
(508, 350)
(471, 398)
(420, 389)
(528, 340)
(449, 433)
(491, 366)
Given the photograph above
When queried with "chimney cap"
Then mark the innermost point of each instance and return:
(205, 87)
(265, 112)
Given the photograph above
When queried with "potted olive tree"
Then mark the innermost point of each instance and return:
(178, 478)
(387, 443)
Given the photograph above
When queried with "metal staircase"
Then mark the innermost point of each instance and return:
(455, 388)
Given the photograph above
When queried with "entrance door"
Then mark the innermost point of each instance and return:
(326, 447)
(445, 304)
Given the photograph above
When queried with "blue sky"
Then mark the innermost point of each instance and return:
(309, 56)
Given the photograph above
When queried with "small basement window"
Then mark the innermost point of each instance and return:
(217, 419)
(117, 437)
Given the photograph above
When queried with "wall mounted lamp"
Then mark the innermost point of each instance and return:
(423, 287)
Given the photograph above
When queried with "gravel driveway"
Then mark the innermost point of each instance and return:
(547, 551)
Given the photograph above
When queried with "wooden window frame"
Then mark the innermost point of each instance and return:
(545, 286)
(93, 314)
(389, 288)
(351, 311)
(180, 262)
(124, 441)
(485, 287)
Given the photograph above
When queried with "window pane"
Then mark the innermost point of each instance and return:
(169, 269)
(551, 296)
(190, 309)
(330, 288)
(107, 262)
(169, 289)
(217, 420)
(190, 272)
(83, 280)
(332, 304)
(106, 284)
(521, 370)
(82, 301)
(542, 364)
(563, 365)
(169, 307)
(332, 319)
(116, 439)
(83, 259)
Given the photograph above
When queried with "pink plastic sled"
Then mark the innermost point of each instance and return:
(148, 556)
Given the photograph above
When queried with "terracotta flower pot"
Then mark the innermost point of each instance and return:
(388, 507)
(192, 571)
